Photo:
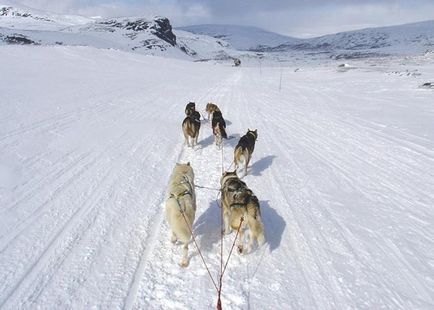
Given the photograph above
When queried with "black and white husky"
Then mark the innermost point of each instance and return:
(244, 150)
(191, 127)
(218, 127)
(181, 206)
(190, 108)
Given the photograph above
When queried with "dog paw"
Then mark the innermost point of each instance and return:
(184, 263)
(226, 232)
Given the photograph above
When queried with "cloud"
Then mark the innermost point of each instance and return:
(290, 17)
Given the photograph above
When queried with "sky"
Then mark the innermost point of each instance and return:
(298, 18)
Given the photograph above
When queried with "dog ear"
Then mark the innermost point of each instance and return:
(188, 164)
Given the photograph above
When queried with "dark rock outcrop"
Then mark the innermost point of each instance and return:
(18, 39)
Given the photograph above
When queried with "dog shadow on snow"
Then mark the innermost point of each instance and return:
(208, 226)
(259, 166)
(274, 225)
(232, 140)
(207, 141)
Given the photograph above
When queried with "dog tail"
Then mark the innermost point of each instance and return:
(240, 159)
(237, 154)
(188, 127)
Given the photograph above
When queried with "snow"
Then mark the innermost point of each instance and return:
(343, 168)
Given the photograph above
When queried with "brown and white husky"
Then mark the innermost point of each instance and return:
(211, 108)
(239, 202)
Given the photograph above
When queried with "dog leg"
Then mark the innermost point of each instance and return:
(227, 228)
(251, 240)
(240, 241)
(196, 138)
(184, 261)
(173, 238)
(185, 137)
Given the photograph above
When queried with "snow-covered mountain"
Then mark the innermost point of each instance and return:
(144, 35)
(408, 38)
(402, 39)
(242, 37)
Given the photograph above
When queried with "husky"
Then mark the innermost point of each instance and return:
(180, 203)
(238, 202)
(190, 128)
(190, 108)
(218, 127)
(244, 149)
(211, 108)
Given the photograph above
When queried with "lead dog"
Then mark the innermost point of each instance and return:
(244, 150)
(190, 128)
(181, 198)
(238, 201)
(211, 108)
(218, 127)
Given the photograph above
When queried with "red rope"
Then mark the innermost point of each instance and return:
(233, 245)
(200, 253)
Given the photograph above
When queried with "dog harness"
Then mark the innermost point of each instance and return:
(186, 192)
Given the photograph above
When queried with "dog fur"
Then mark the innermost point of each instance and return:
(191, 127)
(181, 196)
(190, 108)
(211, 108)
(218, 127)
(238, 201)
(244, 150)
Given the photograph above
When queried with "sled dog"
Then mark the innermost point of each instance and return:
(211, 108)
(190, 108)
(244, 149)
(181, 198)
(218, 127)
(190, 128)
(238, 201)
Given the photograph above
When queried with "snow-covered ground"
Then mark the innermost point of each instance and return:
(343, 169)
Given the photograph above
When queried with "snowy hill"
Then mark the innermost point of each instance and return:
(241, 37)
(23, 17)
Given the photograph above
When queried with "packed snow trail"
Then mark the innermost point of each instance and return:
(343, 169)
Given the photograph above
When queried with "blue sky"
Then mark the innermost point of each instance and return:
(300, 18)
